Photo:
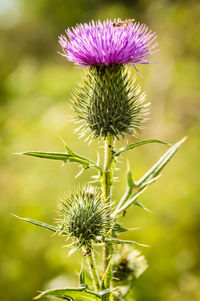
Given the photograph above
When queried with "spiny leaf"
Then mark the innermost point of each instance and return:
(122, 241)
(134, 145)
(75, 294)
(150, 177)
(68, 157)
(40, 224)
(128, 193)
(136, 203)
(160, 164)
(148, 182)
(128, 203)
(68, 149)
(130, 180)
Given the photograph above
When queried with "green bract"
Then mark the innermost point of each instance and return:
(109, 102)
(84, 216)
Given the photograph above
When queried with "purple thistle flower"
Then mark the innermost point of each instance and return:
(99, 43)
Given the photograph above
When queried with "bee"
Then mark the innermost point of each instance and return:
(122, 23)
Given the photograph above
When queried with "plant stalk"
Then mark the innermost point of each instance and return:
(89, 253)
(106, 185)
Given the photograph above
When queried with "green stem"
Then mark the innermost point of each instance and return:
(88, 252)
(107, 172)
(106, 185)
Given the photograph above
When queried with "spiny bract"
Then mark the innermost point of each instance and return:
(84, 216)
(109, 103)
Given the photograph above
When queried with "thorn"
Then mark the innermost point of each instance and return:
(184, 139)
(78, 174)
(60, 164)
(133, 229)
(18, 153)
(95, 181)
(16, 216)
(67, 246)
(61, 138)
(128, 165)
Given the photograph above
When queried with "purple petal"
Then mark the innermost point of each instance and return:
(101, 43)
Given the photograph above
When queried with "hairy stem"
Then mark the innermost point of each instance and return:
(106, 185)
(88, 252)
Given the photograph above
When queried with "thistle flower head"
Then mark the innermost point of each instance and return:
(109, 102)
(128, 264)
(99, 43)
(84, 216)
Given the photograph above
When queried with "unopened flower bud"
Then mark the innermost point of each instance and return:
(84, 216)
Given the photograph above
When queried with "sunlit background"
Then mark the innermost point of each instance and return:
(35, 91)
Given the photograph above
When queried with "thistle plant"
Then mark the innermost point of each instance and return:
(108, 105)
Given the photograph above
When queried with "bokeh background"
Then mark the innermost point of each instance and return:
(35, 91)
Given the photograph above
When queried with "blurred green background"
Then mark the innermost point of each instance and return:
(35, 91)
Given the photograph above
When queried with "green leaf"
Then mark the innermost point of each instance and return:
(150, 177)
(148, 182)
(130, 180)
(40, 224)
(136, 203)
(67, 157)
(128, 203)
(160, 164)
(128, 193)
(122, 241)
(134, 145)
(118, 228)
(75, 294)
(68, 149)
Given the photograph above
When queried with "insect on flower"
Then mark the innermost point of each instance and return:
(122, 23)
(87, 44)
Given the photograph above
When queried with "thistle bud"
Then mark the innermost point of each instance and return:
(128, 265)
(84, 216)
(109, 102)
